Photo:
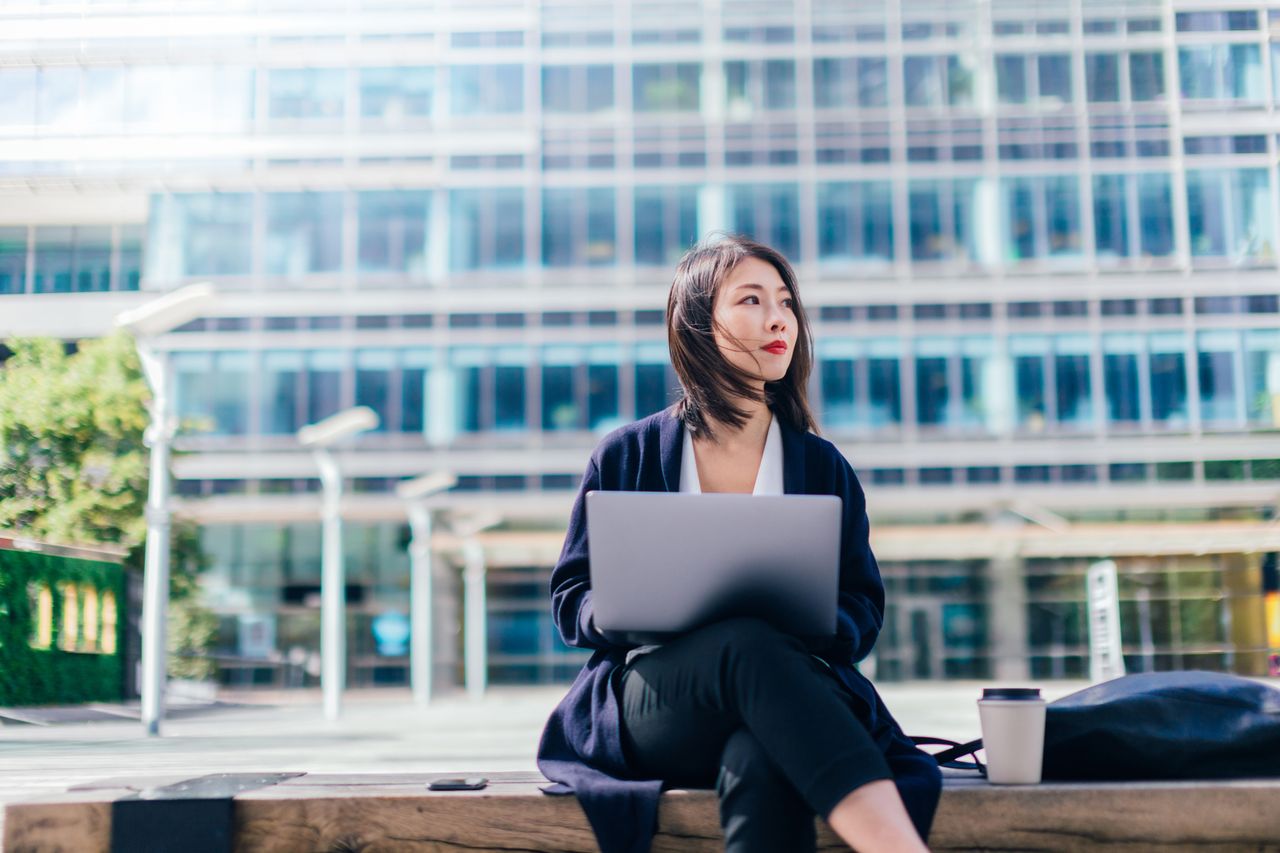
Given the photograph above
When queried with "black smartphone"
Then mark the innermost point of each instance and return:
(471, 783)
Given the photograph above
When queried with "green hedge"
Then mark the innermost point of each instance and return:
(52, 676)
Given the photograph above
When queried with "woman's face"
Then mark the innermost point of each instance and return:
(753, 306)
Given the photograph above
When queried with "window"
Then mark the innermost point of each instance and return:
(844, 82)
(17, 96)
(1102, 77)
(211, 392)
(13, 259)
(666, 87)
(1220, 370)
(1117, 224)
(306, 93)
(1146, 76)
(1041, 217)
(859, 383)
(768, 213)
(392, 95)
(666, 223)
(855, 222)
(1168, 371)
(1229, 213)
(393, 231)
(577, 88)
(1262, 376)
(654, 379)
(486, 89)
(1045, 79)
(373, 384)
(323, 385)
(950, 220)
(76, 259)
(578, 227)
(200, 234)
(304, 233)
(759, 85)
(486, 228)
(1221, 72)
(1120, 376)
(934, 81)
(282, 392)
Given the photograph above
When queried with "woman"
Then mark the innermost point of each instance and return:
(782, 734)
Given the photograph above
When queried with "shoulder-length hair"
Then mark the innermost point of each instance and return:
(709, 382)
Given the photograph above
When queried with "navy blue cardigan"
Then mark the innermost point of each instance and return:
(581, 749)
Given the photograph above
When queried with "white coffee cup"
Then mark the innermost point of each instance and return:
(1013, 734)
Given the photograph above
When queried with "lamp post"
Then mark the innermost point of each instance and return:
(475, 613)
(320, 437)
(421, 649)
(147, 322)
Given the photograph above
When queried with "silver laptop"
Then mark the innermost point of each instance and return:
(663, 563)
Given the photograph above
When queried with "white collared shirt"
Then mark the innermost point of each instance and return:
(768, 476)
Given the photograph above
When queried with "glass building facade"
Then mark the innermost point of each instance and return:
(1038, 242)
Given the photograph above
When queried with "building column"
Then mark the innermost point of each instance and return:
(1007, 605)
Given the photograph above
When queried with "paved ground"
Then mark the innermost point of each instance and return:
(380, 731)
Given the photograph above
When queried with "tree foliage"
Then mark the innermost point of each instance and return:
(74, 467)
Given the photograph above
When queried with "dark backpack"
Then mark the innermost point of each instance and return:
(1156, 725)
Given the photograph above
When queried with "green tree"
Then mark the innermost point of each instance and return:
(73, 467)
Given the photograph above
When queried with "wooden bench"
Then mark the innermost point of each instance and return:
(395, 812)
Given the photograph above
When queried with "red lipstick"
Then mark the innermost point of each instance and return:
(777, 347)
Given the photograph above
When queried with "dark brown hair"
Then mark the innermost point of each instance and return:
(708, 380)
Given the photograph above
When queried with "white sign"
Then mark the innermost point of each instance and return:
(1105, 659)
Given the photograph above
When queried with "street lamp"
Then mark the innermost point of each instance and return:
(147, 322)
(475, 638)
(320, 437)
(421, 654)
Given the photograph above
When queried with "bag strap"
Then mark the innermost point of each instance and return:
(955, 750)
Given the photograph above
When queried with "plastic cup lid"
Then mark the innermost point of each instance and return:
(1011, 693)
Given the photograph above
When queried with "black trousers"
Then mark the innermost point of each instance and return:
(742, 706)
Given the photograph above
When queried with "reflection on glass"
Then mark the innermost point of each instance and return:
(577, 88)
(324, 385)
(602, 396)
(934, 81)
(1120, 378)
(578, 226)
(1146, 76)
(508, 397)
(666, 223)
(752, 86)
(13, 258)
(666, 87)
(306, 93)
(486, 228)
(393, 231)
(1216, 366)
(282, 391)
(1102, 77)
(1072, 382)
(486, 89)
(200, 234)
(855, 221)
(768, 213)
(373, 384)
(1110, 216)
(1221, 72)
(559, 405)
(1229, 213)
(304, 233)
(1042, 217)
(1262, 376)
(392, 95)
(846, 82)
(1168, 379)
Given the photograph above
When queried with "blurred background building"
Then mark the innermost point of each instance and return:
(1038, 241)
